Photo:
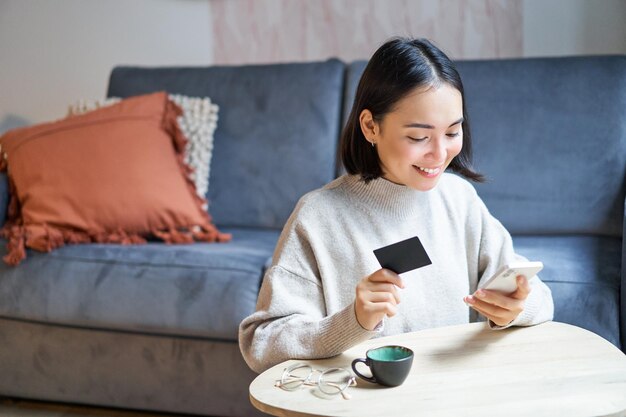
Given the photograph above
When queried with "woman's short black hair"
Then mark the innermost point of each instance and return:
(396, 69)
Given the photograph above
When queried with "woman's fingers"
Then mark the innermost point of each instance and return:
(504, 301)
(381, 305)
(385, 275)
(500, 316)
(382, 297)
(386, 289)
(366, 288)
(384, 281)
(501, 308)
(377, 296)
(523, 288)
(485, 307)
(500, 321)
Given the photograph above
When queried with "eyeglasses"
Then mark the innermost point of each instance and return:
(331, 381)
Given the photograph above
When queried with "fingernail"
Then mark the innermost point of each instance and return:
(479, 294)
(469, 299)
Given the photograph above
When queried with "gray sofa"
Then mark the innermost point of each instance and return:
(155, 326)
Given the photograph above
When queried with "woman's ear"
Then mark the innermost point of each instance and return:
(369, 127)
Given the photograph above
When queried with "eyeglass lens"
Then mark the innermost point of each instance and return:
(296, 376)
(333, 381)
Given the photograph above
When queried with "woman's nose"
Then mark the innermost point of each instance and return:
(438, 149)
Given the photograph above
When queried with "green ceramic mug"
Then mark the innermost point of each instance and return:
(390, 365)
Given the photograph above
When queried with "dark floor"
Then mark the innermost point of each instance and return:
(23, 408)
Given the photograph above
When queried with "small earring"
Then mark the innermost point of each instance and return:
(372, 144)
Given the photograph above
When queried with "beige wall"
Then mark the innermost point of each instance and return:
(574, 27)
(53, 52)
(248, 31)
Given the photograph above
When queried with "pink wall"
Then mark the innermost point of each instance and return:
(262, 31)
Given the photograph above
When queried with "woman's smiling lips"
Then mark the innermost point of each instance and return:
(428, 172)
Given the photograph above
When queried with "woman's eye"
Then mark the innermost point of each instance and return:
(452, 135)
(417, 139)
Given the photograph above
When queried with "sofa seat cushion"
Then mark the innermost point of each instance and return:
(201, 290)
(583, 273)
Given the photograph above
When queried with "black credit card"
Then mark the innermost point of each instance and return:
(403, 256)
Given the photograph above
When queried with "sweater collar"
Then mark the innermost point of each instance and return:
(383, 196)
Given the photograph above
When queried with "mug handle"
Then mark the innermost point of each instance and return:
(367, 378)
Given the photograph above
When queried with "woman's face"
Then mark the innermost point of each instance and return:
(418, 139)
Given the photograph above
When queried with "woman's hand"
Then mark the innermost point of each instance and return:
(376, 297)
(499, 308)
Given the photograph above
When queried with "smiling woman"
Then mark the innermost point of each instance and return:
(417, 154)
(325, 291)
(417, 99)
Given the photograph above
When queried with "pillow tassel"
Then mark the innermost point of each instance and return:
(135, 239)
(173, 236)
(118, 236)
(130, 238)
(182, 237)
(74, 237)
(15, 245)
(53, 239)
(15, 234)
(123, 237)
(206, 234)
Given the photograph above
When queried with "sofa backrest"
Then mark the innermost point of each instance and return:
(550, 135)
(276, 136)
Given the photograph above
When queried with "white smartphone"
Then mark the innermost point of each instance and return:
(504, 280)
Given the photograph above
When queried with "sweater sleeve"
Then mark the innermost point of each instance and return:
(291, 319)
(496, 249)
(290, 323)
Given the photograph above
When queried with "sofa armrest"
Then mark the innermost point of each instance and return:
(4, 197)
(622, 318)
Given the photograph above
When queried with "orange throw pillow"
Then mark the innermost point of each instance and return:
(114, 175)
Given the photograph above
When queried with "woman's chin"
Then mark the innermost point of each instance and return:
(424, 184)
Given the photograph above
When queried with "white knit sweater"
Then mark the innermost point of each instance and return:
(305, 308)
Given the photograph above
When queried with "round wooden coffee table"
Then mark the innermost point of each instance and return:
(552, 369)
